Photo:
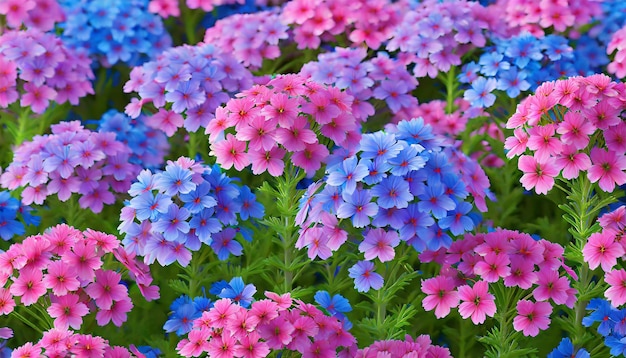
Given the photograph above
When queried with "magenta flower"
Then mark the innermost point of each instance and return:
(493, 266)
(29, 286)
(477, 302)
(441, 295)
(532, 317)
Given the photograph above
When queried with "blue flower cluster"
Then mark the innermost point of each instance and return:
(613, 18)
(114, 30)
(518, 64)
(148, 145)
(399, 180)
(612, 324)
(184, 310)
(10, 212)
(183, 207)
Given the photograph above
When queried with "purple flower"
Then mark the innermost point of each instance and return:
(148, 206)
(224, 244)
(239, 292)
(435, 200)
(172, 223)
(204, 224)
(357, 206)
(198, 199)
(63, 160)
(175, 179)
(365, 277)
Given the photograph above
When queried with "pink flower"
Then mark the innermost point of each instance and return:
(575, 130)
(270, 161)
(477, 302)
(441, 295)
(29, 285)
(167, 121)
(310, 159)
(601, 249)
(616, 293)
(608, 168)
(543, 142)
(493, 266)
(61, 278)
(223, 310)
(522, 273)
(537, 175)
(572, 162)
(116, 313)
(517, 144)
(222, 346)
(379, 243)
(277, 333)
(6, 301)
(532, 317)
(107, 288)
(229, 152)
(68, 312)
(197, 343)
(550, 285)
(251, 347)
(84, 259)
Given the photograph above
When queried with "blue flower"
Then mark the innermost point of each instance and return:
(347, 174)
(198, 199)
(480, 94)
(249, 206)
(457, 220)
(174, 180)
(334, 305)
(379, 145)
(239, 292)
(392, 191)
(184, 312)
(492, 63)
(565, 349)
(357, 206)
(150, 206)
(407, 160)
(435, 200)
(513, 82)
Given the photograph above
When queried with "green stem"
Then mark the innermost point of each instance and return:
(381, 309)
(23, 122)
(450, 90)
(27, 322)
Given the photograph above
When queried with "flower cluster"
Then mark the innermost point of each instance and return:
(65, 265)
(34, 14)
(274, 324)
(369, 22)
(167, 8)
(618, 64)
(58, 342)
(436, 34)
(381, 78)
(148, 146)
(571, 126)
(10, 223)
(286, 116)
(71, 160)
(191, 80)
(612, 324)
(250, 38)
(400, 185)
(484, 259)
(537, 16)
(114, 31)
(183, 207)
(46, 69)
(184, 310)
(409, 347)
(517, 64)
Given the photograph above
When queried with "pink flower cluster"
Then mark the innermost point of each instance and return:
(420, 347)
(67, 343)
(37, 68)
(71, 160)
(604, 248)
(34, 14)
(535, 16)
(251, 38)
(435, 35)
(191, 80)
(369, 22)
(568, 127)
(167, 8)
(618, 42)
(228, 330)
(285, 116)
(484, 259)
(381, 78)
(66, 266)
